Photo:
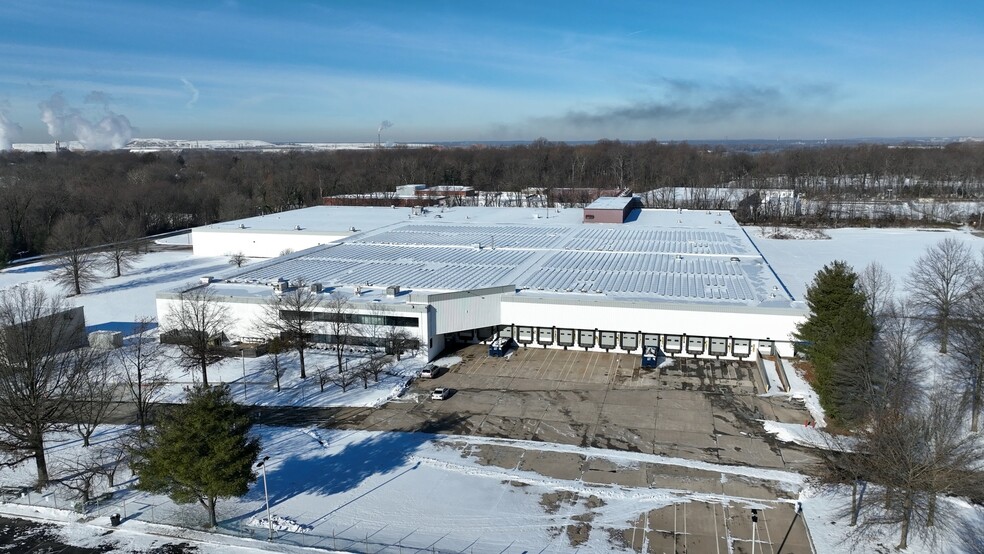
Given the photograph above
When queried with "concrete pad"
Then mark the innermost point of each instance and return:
(683, 478)
(560, 465)
(616, 437)
(562, 432)
(606, 472)
(629, 416)
(748, 451)
(640, 398)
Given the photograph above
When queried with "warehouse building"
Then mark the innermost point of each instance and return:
(690, 283)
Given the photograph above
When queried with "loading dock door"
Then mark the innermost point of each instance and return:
(585, 339)
(695, 345)
(741, 347)
(650, 340)
(607, 339)
(524, 334)
(565, 337)
(544, 335)
(719, 346)
(674, 344)
(630, 341)
(506, 332)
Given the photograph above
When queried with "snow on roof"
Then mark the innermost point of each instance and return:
(663, 256)
(610, 203)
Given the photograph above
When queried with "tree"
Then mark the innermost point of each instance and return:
(95, 398)
(878, 287)
(195, 323)
(343, 379)
(340, 326)
(940, 280)
(275, 363)
(838, 323)
(915, 456)
(40, 372)
(71, 241)
(968, 349)
(238, 259)
(201, 452)
(398, 341)
(291, 317)
(141, 368)
(120, 237)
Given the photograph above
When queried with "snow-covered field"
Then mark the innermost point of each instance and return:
(796, 261)
(357, 490)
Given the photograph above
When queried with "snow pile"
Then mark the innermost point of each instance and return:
(447, 361)
(280, 523)
(799, 389)
(806, 435)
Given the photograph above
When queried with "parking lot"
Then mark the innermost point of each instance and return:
(704, 410)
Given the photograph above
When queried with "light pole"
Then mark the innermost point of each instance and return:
(755, 519)
(266, 496)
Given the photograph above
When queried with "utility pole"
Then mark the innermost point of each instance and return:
(266, 496)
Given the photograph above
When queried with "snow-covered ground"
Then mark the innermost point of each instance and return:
(796, 261)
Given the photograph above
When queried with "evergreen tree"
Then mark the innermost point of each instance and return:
(201, 452)
(837, 335)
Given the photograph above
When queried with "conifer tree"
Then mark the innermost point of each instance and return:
(838, 332)
(201, 452)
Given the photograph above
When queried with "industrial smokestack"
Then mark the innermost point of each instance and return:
(386, 124)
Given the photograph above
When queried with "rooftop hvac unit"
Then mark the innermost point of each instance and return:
(280, 286)
(393, 291)
(297, 227)
(316, 287)
(242, 225)
(205, 280)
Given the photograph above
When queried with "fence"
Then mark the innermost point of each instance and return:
(368, 537)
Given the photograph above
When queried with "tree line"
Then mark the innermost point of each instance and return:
(913, 416)
(130, 194)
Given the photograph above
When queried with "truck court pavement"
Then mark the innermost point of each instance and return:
(704, 410)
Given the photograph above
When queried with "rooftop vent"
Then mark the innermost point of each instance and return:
(316, 287)
(242, 225)
(205, 280)
(297, 227)
(735, 259)
(392, 291)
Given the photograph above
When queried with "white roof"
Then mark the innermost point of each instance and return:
(674, 256)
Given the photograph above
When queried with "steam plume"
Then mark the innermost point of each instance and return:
(9, 131)
(386, 124)
(111, 132)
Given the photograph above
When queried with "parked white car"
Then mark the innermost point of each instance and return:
(440, 393)
(430, 372)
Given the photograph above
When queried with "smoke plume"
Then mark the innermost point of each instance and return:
(386, 124)
(9, 131)
(110, 132)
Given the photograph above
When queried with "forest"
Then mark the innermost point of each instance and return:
(148, 193)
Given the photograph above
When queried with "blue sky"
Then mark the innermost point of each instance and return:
(332, 71)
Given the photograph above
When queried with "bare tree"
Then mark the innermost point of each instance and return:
(276, 362)
(915, 457)
(40, 371)
(968, 348)
(878, 287)
(342, 379)
(339, 314)
(195, 324)
(141, 368)
(95, 398)
(293, 316)
(71, 241)
(398, 341)
(119, 236)
(940, 280)
(238, 259)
